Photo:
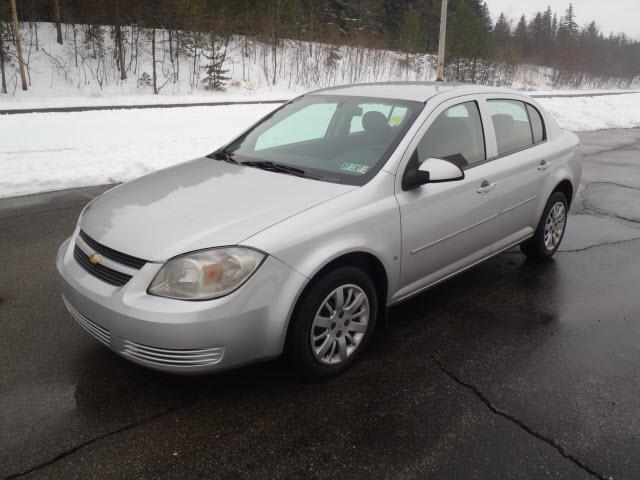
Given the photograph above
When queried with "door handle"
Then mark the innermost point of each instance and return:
(543, 165)
(486, 186)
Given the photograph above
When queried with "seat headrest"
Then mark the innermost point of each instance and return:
(375, 123)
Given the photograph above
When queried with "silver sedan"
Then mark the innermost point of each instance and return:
(298, 234)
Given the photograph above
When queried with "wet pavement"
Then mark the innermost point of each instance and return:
(510, 370)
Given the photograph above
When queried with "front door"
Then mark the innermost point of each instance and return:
(447, 226)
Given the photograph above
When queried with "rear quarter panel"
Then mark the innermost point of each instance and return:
(566, 155)
(563, 149)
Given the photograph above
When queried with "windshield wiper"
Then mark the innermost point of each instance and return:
(224, 155)
(276, 167)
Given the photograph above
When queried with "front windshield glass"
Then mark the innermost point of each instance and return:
(332, 138)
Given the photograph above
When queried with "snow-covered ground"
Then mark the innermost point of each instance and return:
(595, 113)
(52, 151)
(42, 152)
(34, 102)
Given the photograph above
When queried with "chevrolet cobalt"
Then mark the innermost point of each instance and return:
(296, 236)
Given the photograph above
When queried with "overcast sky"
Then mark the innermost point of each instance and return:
(610, 15)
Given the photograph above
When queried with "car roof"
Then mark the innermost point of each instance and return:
(413, 91)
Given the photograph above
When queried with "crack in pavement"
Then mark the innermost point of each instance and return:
(603, 244)
(91, 441)
(588, 208)
(549, 441)
(605, 182)
(619, 147)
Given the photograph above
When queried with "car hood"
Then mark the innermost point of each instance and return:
(199, 204)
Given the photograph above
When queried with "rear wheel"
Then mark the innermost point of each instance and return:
(333, 323)
(550, 230)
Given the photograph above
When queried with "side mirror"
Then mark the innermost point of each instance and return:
(441, 170)
(432, 170)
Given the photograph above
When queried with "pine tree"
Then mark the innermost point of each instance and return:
(216, 75)
(392, 18)
(410, 31)
(569, 21)
(144, 80)
(469, 39)
(501, 37)
(521, 37)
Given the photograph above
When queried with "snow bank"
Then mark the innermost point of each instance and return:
(595, 113)
(52, 151)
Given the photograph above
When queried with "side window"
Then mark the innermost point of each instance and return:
(511, 123)
(537, 124)
(310, 123)
(456, 135)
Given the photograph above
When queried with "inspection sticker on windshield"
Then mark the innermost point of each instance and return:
(354, 167)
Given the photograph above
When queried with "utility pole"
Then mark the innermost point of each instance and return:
(441, 43)
(16, 27)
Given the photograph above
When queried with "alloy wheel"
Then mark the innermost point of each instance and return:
(340, 324)
(554, 226)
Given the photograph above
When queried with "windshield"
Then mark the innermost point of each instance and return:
(332, 138)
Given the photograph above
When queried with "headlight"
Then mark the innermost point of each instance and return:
(206, 274)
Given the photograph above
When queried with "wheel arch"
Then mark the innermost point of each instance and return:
(359, 258)
(566, 187)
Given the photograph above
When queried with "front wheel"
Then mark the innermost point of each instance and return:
(334, 322)
(550, 230)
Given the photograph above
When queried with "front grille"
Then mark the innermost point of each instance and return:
(119, 257)
(100, 271)
(99, 333)
(173, 357)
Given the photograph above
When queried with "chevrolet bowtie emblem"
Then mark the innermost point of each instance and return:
(95, 258)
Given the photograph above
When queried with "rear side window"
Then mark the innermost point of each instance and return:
(511, 124)
(537, 125)
(456, 135)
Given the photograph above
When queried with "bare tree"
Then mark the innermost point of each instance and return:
(16, 28)
(153, 60)
(277, 9)
(56, 12)
(119, 42)
(4, 80)
(75, 44)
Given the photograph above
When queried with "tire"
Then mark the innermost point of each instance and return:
(541, 246)
(349, 332)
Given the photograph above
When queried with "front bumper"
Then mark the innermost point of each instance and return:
(179, 336)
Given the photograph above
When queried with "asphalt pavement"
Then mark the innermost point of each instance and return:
(511, 370)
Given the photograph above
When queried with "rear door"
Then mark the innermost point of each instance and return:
(447, 226)
(520, 166)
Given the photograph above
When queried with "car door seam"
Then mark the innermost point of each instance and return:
(424, 247)
(457, 272)
(518, 205)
